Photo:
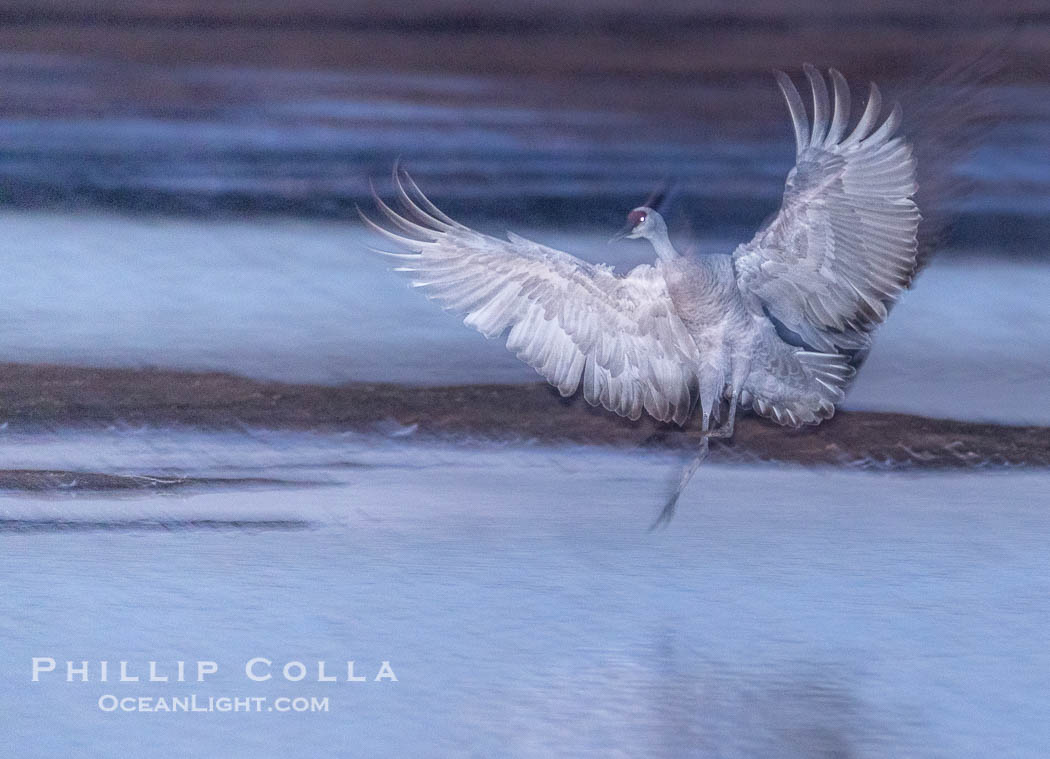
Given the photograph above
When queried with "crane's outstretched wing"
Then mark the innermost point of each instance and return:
(843, 244)
(570, 320)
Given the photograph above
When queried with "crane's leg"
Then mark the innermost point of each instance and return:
(723, 431)
(726, 430)
(687, 474)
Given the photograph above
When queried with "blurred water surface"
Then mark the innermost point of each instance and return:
(525, 609)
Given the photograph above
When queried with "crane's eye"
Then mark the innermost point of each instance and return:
(635, 218)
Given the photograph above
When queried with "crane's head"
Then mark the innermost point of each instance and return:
(645, 222)
(642, 222)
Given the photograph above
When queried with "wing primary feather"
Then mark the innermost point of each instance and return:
(413, 208)
(798, 111)
(421, 203)
(405, 241)
(820, 104)
(889, 126)
(395, 255)
(399, 220)
(867, 120)
(842, 106)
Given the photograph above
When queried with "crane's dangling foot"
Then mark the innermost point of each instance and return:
(687, 474)
(723, 431)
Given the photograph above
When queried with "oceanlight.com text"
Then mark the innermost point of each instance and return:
(208, 704)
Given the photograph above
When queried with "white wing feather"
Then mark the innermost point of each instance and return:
(844, 243)
(574, 322)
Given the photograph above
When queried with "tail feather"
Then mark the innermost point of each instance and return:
(799, 387)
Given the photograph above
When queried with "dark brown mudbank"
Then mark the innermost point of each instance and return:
(34, 396)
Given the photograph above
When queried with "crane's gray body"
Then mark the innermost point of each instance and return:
(728, 337)
(739, 349)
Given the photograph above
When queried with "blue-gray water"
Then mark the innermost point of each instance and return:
(526, 611)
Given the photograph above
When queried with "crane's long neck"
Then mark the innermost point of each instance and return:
(661, 241)
(664, 249)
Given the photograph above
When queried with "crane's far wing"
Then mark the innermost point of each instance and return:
(843, 245)
(572, 321)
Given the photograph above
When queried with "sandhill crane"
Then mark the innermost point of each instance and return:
(701, 327)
